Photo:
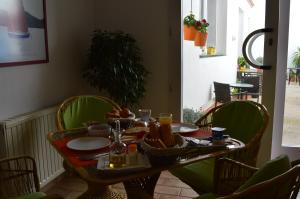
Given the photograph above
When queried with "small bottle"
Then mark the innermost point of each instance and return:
(117, 154)
(132, 154)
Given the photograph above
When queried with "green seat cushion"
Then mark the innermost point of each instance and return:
(271, 169)
(198, 175)
(207, 196)
(35, 195)
(241, 119)
(84, 109)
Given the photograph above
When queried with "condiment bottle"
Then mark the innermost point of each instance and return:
(117, 154)
(132, 154)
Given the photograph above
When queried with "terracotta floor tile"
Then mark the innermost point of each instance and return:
(188, 193)
(70, 187)
(167, 174)
(119, 186)
(167, 190)
(163, 196)
(172, 182)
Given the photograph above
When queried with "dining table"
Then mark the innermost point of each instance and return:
(137, 183)
(241, 87)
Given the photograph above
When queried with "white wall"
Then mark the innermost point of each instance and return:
(199, 73)
(151, 23)
(31, 87)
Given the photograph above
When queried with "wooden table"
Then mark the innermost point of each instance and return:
(137, 183)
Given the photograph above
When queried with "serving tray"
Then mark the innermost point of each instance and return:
(142, 163)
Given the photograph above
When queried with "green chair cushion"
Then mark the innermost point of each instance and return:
(241, 119)
(84, 109)
(198, 175)
(271, 169)
(35, 195)
(207, 196)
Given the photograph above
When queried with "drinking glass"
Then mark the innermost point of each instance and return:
(165, 118)
(145, 114)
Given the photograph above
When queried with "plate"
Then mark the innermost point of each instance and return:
(184, 128)
(88, 143)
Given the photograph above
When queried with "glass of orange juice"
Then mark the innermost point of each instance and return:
(165, 118)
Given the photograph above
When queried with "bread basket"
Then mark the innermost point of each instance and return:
(163, 155)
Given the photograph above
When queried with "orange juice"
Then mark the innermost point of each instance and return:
(165, 118)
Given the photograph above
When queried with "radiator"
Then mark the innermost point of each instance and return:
(27, 135)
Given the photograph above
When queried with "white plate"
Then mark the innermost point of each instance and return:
(183, 128)
(88, 143)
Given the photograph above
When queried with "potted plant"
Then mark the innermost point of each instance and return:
(241, 63)
(115, 66)
(189, 27)
(201, 35)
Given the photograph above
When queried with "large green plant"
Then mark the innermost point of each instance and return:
(115, 65)
(296, 58)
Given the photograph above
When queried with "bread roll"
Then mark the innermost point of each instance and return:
(166, 135)
(154, 130)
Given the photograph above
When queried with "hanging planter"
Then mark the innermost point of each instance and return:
(189, 27)
(189, 32)
(201, 35)
(201, 38)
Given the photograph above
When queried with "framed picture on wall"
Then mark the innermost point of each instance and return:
(23, 32)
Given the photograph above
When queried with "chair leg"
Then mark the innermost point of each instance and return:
(215, 103)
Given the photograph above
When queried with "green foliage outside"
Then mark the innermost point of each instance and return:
(296, 58)
(191, 115)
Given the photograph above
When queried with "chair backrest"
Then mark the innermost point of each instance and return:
(282, 186)
(255, 81)
(243, 120)
(75, 111)
(222, 92)
(18, 176)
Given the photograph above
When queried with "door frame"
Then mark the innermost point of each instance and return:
(274, 80)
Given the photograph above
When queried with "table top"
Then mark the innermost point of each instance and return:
(241, 85)
(88, 171)
(253, 71)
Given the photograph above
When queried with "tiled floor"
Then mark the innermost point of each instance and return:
(168, 187)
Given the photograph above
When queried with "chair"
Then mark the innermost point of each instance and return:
(75, 111)
(223, 93)
(255, 90)
(243, 120)
(19, 180)
(277, 179)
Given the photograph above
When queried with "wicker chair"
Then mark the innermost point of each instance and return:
(18, 177)
(255, 91)
(77, 110)
(232, 175)
(235, 125)
(243, 120)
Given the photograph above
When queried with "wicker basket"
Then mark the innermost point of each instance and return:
(164, 155)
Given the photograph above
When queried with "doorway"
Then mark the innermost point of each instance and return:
(230, 21)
